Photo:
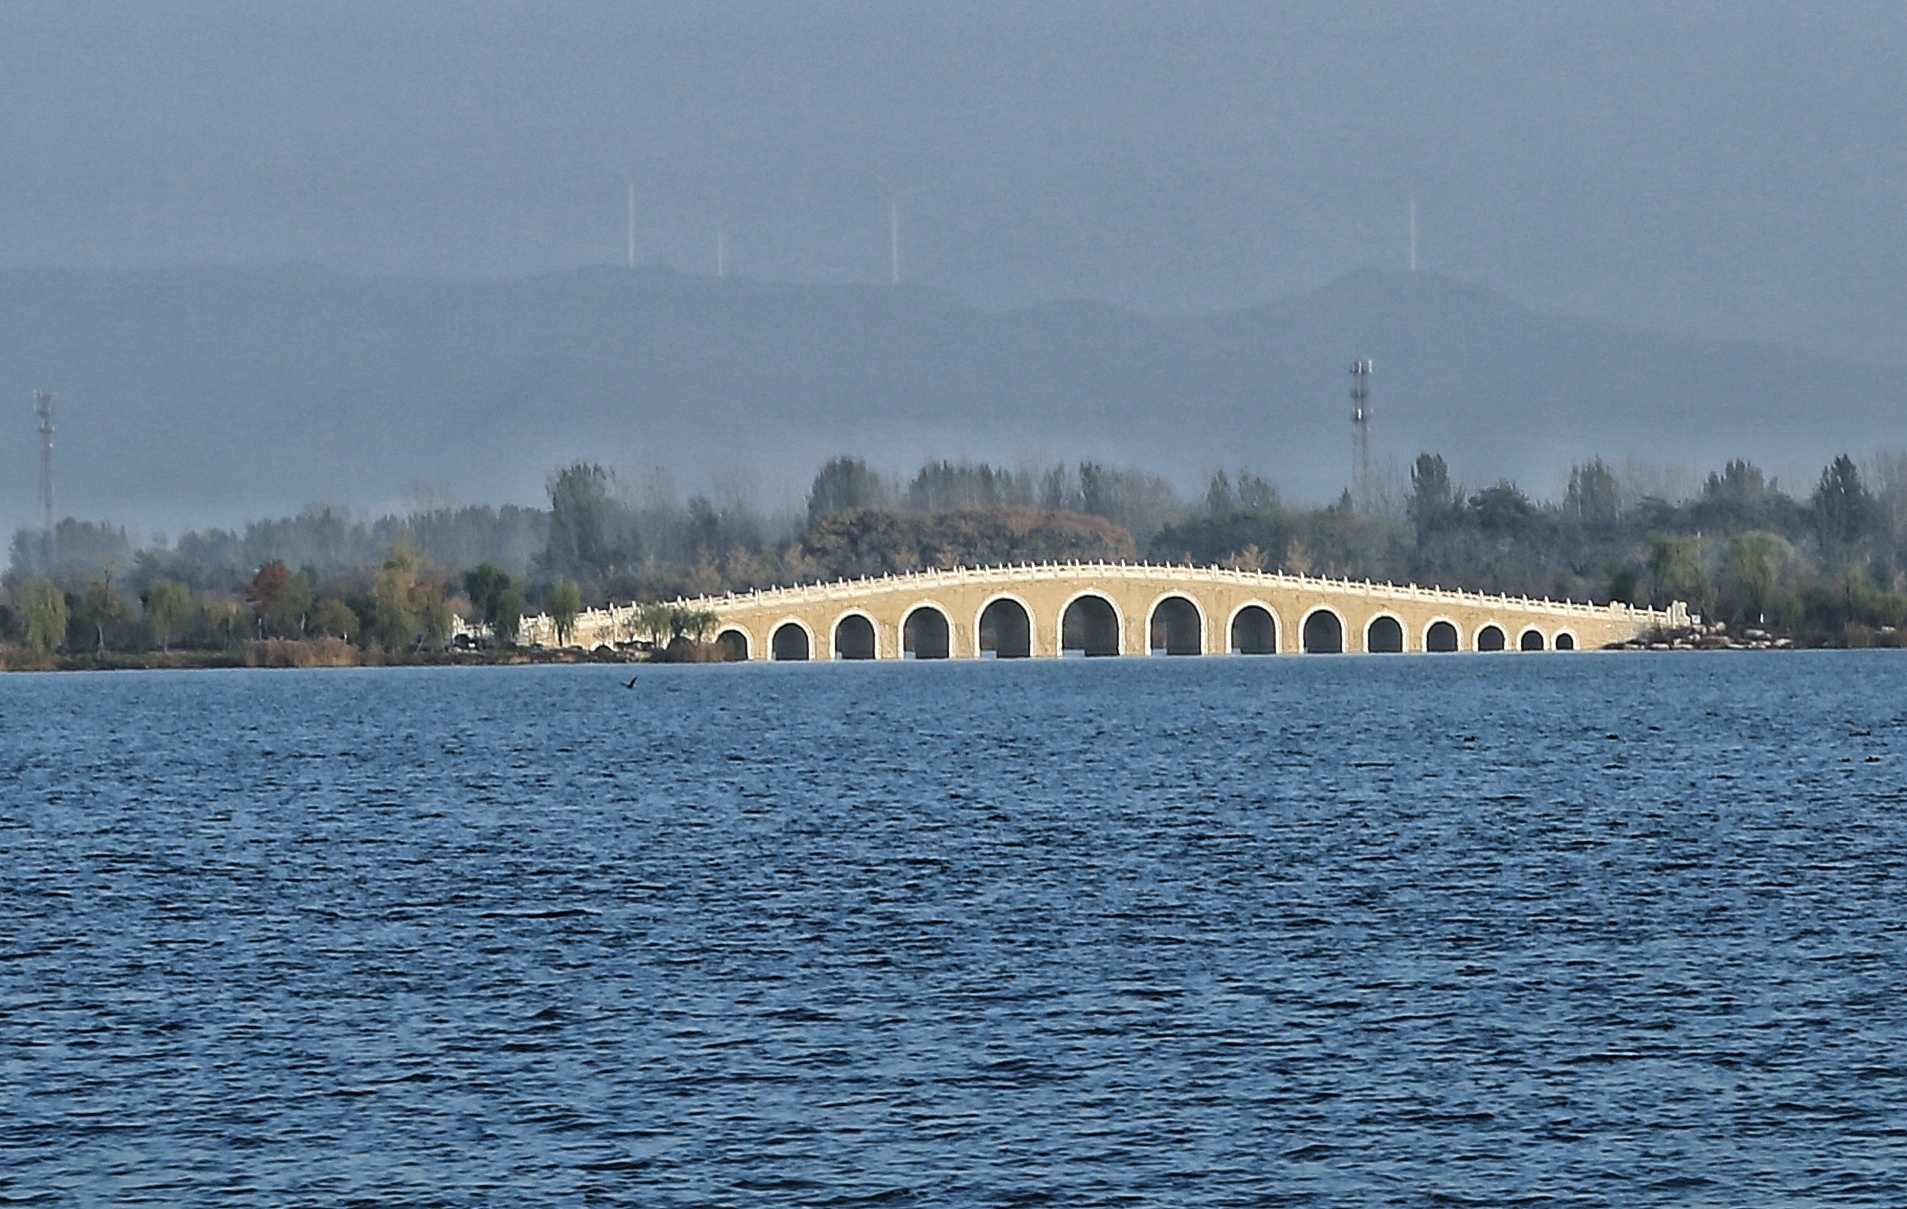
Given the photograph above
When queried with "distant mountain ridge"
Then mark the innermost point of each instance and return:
(205, 395)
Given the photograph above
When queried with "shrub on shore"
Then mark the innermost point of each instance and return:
(309, 652)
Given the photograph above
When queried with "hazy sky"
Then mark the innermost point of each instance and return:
(1733, 170)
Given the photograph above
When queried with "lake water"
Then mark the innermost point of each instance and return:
(1597, 929)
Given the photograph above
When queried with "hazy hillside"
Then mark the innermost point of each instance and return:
(205, 395)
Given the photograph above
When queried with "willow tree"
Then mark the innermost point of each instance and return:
(46, 616)
(168, 606)
(566, 602)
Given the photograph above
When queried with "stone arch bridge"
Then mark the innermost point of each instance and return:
(1053, 609)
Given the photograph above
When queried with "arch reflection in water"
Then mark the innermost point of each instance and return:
(1090, 627)
(1323, 633)
(924, 634)
(1441, 636)
(789, 645)
(1175, 628)
(854, 637)
(1254, 632)
(1006, 632)
(1384, 636)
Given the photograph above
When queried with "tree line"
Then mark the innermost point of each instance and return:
(1827, 566)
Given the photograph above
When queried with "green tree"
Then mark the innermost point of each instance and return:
(289, 613)
(944, 485)
(333, 618)
(1739, 491)
(1594, 496)
(230, 622)
(871, 542)
(1751, 574)
(46, 616)
(653, 621)
(99, 606)
(1219, 497)
(1434, 503)
(168, 607)
(1843, 508)
(1740, 485)
(1675, 566)
(566, 602)
(587, 526)
(1256, 494)
(435, 619)
(1503, 509)
(693, 624)
(1140, 503)
(843, 484)
(509, 615)
(487, 584)
(394, 621)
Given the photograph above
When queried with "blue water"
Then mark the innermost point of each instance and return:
(1598, 930)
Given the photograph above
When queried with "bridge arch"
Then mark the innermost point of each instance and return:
(1253, 627)
(1093, 622)
(735, 644)
(1003, 628)
(856, 636)
(791, 641)
(1565, 640)
(1442, 636)
(1323, 632)
(1489, 638)
(1175, 624)
(1532, 639)
(926, 632)
(1384, 635)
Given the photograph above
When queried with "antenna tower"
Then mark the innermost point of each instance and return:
(1361, 435)
(43, 401)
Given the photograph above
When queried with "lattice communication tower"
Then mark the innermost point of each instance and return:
(43, 401)
(1361, 434)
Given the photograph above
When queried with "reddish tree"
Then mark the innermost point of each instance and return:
(271, 583)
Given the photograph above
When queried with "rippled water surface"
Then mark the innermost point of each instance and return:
(1619, 930)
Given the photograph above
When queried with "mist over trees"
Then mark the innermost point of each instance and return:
(1829, 565)
(322, 540)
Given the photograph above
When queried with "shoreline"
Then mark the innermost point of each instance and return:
(274, 656)
(177, 661)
